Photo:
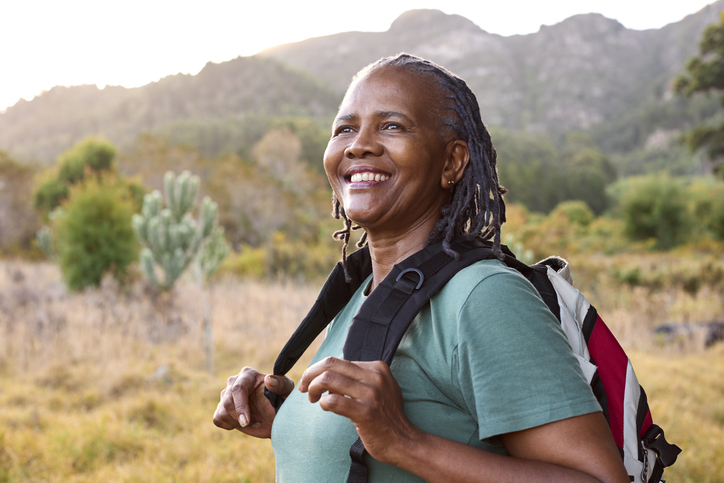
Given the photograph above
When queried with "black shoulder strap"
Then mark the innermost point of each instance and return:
(335, 294)
(384, 317)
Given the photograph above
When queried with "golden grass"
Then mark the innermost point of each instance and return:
(108, 385)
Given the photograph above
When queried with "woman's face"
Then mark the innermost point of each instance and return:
(387, 158)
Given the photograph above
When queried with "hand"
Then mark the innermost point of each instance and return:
(367, 394)
(243, 405)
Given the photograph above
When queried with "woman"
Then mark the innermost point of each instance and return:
(482, 387)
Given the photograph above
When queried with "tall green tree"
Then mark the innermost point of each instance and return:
(705, 74)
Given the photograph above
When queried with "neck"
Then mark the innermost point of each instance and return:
(388, 250)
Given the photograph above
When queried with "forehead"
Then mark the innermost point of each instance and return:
(392, 88)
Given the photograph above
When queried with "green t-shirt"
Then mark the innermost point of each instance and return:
(485, 357)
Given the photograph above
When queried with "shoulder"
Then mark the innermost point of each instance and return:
(492, 284)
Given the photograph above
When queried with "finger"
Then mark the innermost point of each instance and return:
(340, 384)
(343, 406)
(280, 385)
(245, 381)
(354, 370)
(223, 420)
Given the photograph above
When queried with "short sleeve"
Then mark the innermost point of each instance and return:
(515, 368)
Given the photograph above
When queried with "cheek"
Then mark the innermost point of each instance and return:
(331, 163)
(333, 155)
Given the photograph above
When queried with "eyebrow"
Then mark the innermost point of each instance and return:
(380, 114)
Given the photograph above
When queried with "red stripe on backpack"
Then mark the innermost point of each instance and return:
(603, 346)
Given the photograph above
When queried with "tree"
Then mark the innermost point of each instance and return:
(88, 207)
(93, 233)
(705, 74)
(91, 155)
(654, 207)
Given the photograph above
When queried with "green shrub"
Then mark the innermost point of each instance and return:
(94, 234)
(577, 212)
(91, 155)
(654, 207)
(707, 206)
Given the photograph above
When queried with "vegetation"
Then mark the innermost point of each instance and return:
(89, 208)
(93, 233)
(106, 384)
(90, 156)
(87, 395)
(705, 74)
(540, 176)
(18, 219)
(171, 238)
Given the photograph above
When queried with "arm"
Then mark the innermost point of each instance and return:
(574, 449)
(243, 405)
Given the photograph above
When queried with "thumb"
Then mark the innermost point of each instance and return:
(280, 385)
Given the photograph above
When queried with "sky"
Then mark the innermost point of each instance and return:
(44, 43)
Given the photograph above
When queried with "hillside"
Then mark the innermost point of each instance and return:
(585, 73)
(585, 70)
(231, 92)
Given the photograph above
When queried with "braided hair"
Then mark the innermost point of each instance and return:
(476, 208)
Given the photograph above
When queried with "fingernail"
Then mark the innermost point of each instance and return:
(273, 382)
(243, 421)
(256, 425)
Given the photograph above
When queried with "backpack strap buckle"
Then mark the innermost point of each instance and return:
(666, 452)
(405, 287)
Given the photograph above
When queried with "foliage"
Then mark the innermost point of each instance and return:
(540, 176)
(654, 207)
(18, 220)
(91, 155)
(576, 212)
(705, 74)
(92, 401)
(307, 258)
(707, 206)
(256, 198)
(93, 233)
(171, 238)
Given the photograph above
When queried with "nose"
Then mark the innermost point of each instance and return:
(364, 144)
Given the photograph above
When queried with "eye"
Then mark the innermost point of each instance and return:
(343, 130)
(392, 126)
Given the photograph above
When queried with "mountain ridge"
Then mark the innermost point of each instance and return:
(583, 73)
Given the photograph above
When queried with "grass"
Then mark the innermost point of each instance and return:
(108, 385)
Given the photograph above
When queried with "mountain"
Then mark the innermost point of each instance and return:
(229, 92)
(572, 75)
(585, 73)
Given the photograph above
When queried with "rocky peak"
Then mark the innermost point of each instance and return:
(430, 20)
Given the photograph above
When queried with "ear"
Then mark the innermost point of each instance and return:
(457, 157)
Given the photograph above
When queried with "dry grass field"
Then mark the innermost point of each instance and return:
(108, 385)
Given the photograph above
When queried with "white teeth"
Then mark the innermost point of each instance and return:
(357, 177)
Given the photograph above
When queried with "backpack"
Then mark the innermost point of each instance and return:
(384, 317)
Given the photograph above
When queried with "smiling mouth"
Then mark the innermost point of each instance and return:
(368, 176)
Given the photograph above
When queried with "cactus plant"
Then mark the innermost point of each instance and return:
(171, 238)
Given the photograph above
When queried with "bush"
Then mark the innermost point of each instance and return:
(707, 200)
(94, 234)
(577, 212)
(654, 207)
(89, 155)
